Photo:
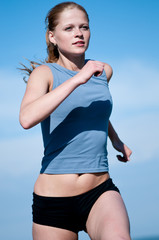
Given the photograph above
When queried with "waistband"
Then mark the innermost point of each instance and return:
(106, 183)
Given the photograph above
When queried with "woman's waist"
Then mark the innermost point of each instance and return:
(80, 162)
(63, 185)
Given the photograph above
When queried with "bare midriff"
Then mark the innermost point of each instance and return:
(64, 185)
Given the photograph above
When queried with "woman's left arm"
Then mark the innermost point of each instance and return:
(119, 145)
(116, 142)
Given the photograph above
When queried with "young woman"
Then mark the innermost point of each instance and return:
(69, 96)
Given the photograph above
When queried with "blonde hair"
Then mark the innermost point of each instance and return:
(51, 22)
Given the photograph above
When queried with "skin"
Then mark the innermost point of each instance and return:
(72, 38)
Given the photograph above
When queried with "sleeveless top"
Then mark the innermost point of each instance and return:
(75, 134)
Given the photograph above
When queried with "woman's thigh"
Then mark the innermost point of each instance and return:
(42, 232)
(108, 218)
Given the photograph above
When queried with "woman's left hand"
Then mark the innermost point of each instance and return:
(121, 147)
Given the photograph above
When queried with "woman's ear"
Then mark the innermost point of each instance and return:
(52, 37)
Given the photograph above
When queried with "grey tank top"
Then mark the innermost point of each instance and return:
(75, 134)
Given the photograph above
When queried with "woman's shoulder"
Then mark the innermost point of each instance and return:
(41, 75)
(43, 71)
(43, 68)
(108, 70)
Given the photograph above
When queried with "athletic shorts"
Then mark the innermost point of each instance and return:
(69, 213)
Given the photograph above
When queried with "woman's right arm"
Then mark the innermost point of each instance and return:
(40, 101)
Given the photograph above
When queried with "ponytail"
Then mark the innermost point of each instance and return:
(52, 50)
(53, 55)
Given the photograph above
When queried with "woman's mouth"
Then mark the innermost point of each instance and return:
(79, 43)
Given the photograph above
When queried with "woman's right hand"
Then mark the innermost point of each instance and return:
(91, 68)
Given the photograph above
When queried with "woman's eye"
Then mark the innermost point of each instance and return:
(68, 28)
(85, 27)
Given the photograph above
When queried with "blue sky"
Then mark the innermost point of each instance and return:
(125, 35)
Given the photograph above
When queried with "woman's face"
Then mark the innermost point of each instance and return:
(72, 33)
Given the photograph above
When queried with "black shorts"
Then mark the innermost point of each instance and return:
(69, 213)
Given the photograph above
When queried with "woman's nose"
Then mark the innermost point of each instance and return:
(78, 32)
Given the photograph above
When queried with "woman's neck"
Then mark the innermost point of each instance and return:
(74, 63)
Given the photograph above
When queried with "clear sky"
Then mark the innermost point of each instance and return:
(124, 34)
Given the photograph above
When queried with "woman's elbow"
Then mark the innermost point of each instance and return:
(24, 121)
